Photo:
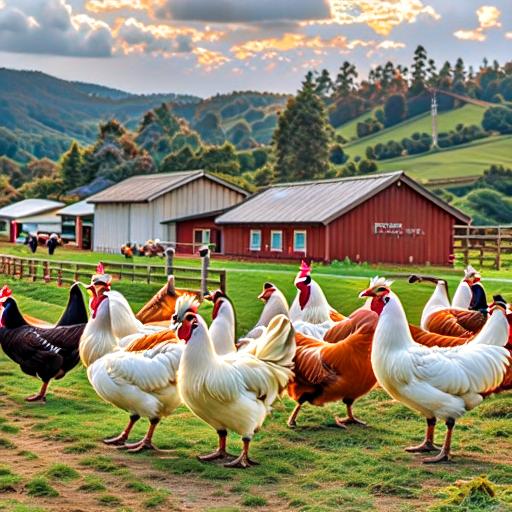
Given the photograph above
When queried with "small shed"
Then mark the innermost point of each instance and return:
(135, 209)
(38, 215)
(77, 224)
(380, 218)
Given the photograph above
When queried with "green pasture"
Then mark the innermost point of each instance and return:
(53, 453)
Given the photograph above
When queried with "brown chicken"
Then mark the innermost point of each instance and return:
(456, 322)
(160, 308)
(327, 372)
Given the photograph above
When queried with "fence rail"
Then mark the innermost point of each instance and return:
(194, 279)
(486, 245)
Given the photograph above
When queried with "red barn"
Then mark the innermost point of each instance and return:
(382, 218)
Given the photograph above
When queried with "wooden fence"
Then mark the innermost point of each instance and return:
(484, 245)
(194, 279)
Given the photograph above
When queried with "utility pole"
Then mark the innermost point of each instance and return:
(433, 93)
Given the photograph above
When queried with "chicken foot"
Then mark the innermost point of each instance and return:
(220, 452)
(292, 420)
(123, 436)
(39, 397)
(428, 443)
(444, 454)
(243, 461)
(350, 419)
(146, 443)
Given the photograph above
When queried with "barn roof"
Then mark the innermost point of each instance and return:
(28, 208)
(321, 201)
(146, 188)
(80, 209)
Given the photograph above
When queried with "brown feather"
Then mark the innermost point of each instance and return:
(149, 341)
(447, 322)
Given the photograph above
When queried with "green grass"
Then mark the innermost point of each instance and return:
(467, 115)
(40, 487)
(316, 467)
(467, 160)
(62, 473)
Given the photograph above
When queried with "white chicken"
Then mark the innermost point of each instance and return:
(234, 392)
(141, 382)
(223, 326)
(439, 383)
(310, 312)
(275, 304)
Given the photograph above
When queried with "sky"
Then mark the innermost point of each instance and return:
(204, 47)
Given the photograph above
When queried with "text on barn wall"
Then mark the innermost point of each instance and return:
(395, 228)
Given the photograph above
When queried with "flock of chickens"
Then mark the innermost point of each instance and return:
(166, 355)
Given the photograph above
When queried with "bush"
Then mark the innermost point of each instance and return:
(461, 135)
(418, 143)
(368, 127)
(336, 155)
(498, 119)
(395, 110)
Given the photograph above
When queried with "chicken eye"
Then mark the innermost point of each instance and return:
(307, 280)
(190, 318)
(381, 289)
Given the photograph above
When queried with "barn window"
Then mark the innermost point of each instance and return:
(255, 240)
(3, 226)
(202, 236)
(299, 241)
(276, 240)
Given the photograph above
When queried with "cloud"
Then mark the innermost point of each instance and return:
(271, 47)
(100, 6)
(51, 28)
(247, 11)
(380, 15)
(488, 17)
(508, 35)
(209, 59)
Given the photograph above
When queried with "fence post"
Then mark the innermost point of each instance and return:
(498, 249)
(59, 276)
(169, 262)
(204, 252)
(222, 278)
(46, 271)
(466, 247)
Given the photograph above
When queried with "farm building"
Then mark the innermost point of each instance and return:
(29, 215)
(148, 207)
(77, 224)
(382, 218)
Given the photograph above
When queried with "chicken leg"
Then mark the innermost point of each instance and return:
(444, 454)
(243, 461)
(39, 397)
(428, 443)
(123, 436)
(146, 443)
(350, 419)
(220, 452)
(292, 420)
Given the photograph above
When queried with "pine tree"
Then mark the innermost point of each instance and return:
(302, 137)
(324, 84)
(345, 80)
(71, 167)
(418, 71)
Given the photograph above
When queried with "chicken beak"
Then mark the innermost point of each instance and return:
(366, 293)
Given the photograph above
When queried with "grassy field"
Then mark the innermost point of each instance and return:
(53, 458)
(467, 115)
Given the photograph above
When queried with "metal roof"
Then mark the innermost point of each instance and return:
(28, 207)
(320, 201)
(202, 215)
(80, 209)
(146, 188)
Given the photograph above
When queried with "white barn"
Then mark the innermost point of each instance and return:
(134, 209)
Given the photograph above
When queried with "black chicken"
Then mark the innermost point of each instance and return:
(47, 353)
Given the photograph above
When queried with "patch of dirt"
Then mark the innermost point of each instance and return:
(186, 492)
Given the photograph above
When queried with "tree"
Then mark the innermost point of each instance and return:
(323, 84)
(395, 110)
(336, 155)
(302, 137)
(418, 71)
(345, 79)
(263, 176)
(9, 193)
(42, 188)
(182, 160)
(221, 159)
(498, 119)
(71, 167)
(41, 168)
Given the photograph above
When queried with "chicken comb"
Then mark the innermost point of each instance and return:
(5, 292)
(100, 269)
(184, 304)
(305, 269)
(380, 281)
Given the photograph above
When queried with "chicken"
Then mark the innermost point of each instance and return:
(160, 308)
(275, 304)
(126, 327)
(439, 383)
(234, 392)
(47, 353)
(223, 326)
(310, 312)
(338, 369)
(141, 379)
(467, 313)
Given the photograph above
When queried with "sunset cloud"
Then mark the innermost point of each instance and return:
(381, 16)
(100, 6)
(209, 59)
(488, 17)
(50, 27)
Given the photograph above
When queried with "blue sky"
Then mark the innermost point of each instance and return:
(208, 46)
